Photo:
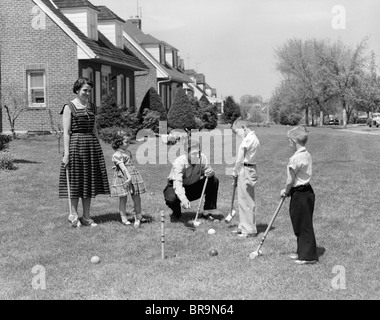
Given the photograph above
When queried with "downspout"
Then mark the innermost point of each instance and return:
(162, 81)
(158, 86)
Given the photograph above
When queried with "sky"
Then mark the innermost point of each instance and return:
(232, 42)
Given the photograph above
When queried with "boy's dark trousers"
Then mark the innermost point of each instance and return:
(301, 214)
(193, 192)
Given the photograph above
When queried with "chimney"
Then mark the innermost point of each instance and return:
(136, 21)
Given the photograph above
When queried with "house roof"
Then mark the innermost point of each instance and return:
(143, 39)
(103, 48)
(106, 14)
(74, 4)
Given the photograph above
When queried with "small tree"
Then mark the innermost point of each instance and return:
(208, 113)
(109, 114)
(231, 110)
(153, 102)
(14, 102)
(181, 115)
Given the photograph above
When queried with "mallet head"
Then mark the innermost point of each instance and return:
(255, 254)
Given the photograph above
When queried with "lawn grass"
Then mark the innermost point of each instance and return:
(34, 231)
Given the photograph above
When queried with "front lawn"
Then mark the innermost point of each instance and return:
(35, 234)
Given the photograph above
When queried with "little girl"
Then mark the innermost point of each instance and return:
(126, 179)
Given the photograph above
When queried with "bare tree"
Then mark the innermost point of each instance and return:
(14, 102)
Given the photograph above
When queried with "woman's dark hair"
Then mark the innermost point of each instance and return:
(80, 83)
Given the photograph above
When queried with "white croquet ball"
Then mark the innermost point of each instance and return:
(211, 231)
(95, 259)
(196, 223)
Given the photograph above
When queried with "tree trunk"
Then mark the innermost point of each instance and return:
(344, 118)
(321, 118)
(307, 116)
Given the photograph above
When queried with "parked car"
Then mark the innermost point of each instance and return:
(334, 122)
(375, 120)
(362, 119)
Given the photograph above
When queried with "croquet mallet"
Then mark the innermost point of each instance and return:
(256, 253)
(232, 211)
(68, 192)
(196, 223)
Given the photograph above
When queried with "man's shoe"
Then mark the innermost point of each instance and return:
(247, 235)
(293, 256)
(174, 217)
(305, 261)
(207, 216)
(237, 231)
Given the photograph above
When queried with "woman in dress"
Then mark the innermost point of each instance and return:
(83, 157)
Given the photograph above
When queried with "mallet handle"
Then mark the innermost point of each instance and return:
(270, 223)
(68, 187)
(200, 201)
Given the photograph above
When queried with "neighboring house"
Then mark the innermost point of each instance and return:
(199, 87)
(45, 45)
(165, 66)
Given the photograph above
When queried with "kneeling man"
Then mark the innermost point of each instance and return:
(186, 181)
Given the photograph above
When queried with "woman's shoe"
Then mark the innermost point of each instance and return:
(89, 223)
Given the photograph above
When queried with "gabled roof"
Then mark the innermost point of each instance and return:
(103, 48)
(142, 39)
(168, 45)
(106, 14)
(74, 4)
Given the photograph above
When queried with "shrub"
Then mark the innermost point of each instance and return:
(210, 117)
(196, 107)
(152, 101)
(151, 120)
(109, 134)
(231, 110)
(5, 139)
(7, 161)
(131, 121)
(181, 115)
(109, 114)
(291, 119)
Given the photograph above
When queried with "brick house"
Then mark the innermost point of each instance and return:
(45, 45)
(166, 70)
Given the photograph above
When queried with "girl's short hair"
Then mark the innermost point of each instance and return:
(299, 134)
(118, 140)
(80, 83)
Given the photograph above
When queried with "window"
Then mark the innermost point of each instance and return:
(36, 88)
(89, 73)
(122, 90)
(105, 84)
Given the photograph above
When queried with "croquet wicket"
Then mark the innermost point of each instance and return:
(162, 234)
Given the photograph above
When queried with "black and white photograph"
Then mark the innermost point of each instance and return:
(188, 156)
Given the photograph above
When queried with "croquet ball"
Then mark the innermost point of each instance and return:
(196, 223)
(95, 259)
(216, 220)
(211, 231)
(152, 193)
(213, 252)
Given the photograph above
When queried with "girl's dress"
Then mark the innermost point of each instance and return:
(119, 184)
(87, 169)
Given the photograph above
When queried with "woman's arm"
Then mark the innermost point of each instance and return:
(66, 133)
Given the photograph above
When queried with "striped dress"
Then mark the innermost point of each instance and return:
(119, 185)
(86, 168)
